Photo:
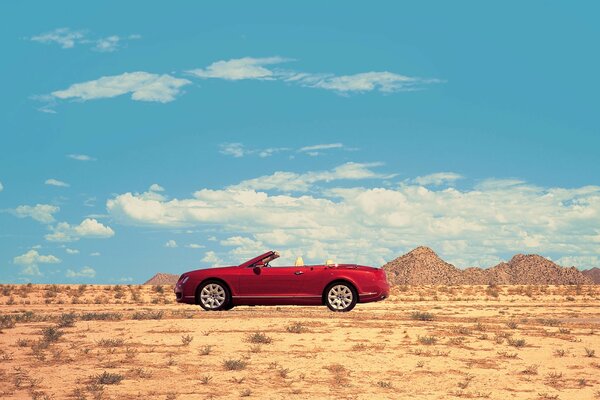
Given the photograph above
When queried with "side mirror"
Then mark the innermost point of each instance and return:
(256, 270)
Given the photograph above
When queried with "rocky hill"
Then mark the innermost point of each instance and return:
(593, 274)
(422, 266)
(162, 279)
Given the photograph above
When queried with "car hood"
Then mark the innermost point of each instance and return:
(210, 270)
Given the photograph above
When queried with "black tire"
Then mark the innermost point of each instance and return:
(340, 297)
(213, 295)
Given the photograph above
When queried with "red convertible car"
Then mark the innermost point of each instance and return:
(256, 282)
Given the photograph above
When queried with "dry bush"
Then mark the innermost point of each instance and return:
(297, 327)
(107, 378)
(234, 364)
(421, 316)
(259, 337)
(146, 315)
(110, 342)
(186, 340)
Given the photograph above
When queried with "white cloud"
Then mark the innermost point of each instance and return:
(238, 150)
(71, 251)
(268, 152)
(95, 254)
(211, 258)
(234, 149)
(56, 182)
(40, 212)
(374, 224)
(241, 68)
(143, 86)
(88, 228)
(85, 272)
(155, 187)
(294, 182)
(194, 246)
(255, 68)
(324, 146)
(68, 39)
(112, 43)
(386, 82)
(171, 244)
(581, 262)
(31, 259)
(1, 187)
(437, 179)
(65, 37)
(81, 157)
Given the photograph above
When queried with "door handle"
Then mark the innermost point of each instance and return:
(298, 272)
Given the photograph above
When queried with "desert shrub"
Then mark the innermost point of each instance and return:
(29, 316)
(549, 321)
(427, 340)
(205, 380)
(234, 364)
(462, 330)
(530, 370)
(101, 316)
(421, 316)
(66, 320)
(384, 384)
(108, 378)
(159, 289)
(297, 327)
(144, 315)
(205, 350)
(559, 353)
(110, 342)
(590, 352)
(6, 322)
(516, 342)
(492, 291)
(51, 334)
(186, 340)
(6, 290)
(259, 337)
(512, 325)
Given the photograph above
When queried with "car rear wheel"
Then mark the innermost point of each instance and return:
(214, 296)
(340, 297)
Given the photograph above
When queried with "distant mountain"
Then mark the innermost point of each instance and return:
(422, 266)
(162, 279)
(593, 274)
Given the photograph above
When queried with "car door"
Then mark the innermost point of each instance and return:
(313, 280)
(270, 282)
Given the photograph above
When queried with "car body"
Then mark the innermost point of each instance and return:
(255, 282)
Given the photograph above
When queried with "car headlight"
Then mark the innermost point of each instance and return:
(185, 280)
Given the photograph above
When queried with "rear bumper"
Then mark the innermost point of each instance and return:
(381, 292)
(372, 296)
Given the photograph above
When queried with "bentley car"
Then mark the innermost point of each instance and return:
(256, 282)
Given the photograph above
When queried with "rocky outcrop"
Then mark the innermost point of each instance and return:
(162, 279)
(593, 274)
(422, 266)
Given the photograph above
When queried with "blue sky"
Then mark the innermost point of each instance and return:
(139, 138)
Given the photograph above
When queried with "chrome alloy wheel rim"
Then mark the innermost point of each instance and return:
(340, 297)
(212, 295)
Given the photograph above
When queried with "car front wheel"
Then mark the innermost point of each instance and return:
(214, 296)
(341, 297)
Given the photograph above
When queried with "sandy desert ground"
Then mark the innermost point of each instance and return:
(118, 342)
